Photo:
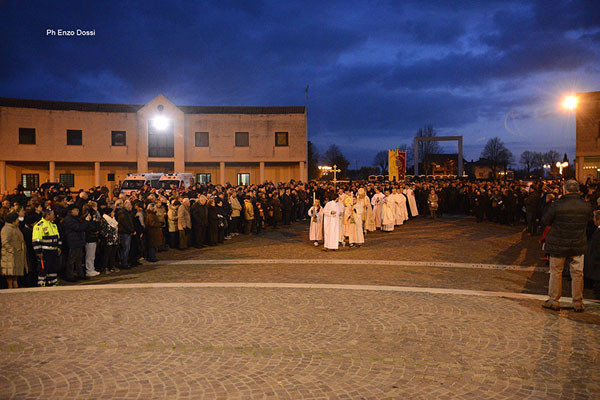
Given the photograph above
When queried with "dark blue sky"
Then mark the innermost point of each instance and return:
(377, 70)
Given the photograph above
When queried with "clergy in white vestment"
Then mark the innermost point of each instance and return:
(367, 211)
(376, 202)
(402, 210)
(412, 202)
(395, 198)
(316, 222)
(387, 213)
(356, 235)
(341, 207)
(331, 225)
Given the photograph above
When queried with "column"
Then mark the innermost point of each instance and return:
(302, 171)
(3, 176)
(262, 172)
(222, 172)
(460, 157)
(97, 173)
(52, 172)
(416, 156)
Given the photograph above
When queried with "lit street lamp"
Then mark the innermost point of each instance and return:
(561, 165)
(160, 122)
(570, 102)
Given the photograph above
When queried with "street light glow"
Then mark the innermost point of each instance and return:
(570, 102)
(160, 122)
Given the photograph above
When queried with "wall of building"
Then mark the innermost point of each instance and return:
(51, 135)
(281, 172)
(588, 135)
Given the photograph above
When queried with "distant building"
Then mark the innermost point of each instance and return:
(440, 164)
(89, 144)
(587, 160)
(482, 169)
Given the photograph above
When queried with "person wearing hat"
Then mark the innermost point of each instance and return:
(46, 244)
(566, 243)
(14, 253)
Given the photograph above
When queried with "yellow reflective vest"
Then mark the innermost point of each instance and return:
(45, 237)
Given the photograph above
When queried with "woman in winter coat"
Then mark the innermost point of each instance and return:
(173, 220)
(153, 232)
(14, 253)
(109, 240)
(248, 215)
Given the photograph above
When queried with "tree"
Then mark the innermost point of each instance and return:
(333, 156)
(527, 159)
(551, 157)
(381, 160)
(313, 161)
(427, 147)
(497, 153)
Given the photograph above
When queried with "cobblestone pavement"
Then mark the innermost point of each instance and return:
(292, 344)
(454, 239)
(314, 343)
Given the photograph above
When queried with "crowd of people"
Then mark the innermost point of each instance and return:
(81, 235)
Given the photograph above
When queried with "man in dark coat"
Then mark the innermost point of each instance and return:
(566, 241)
(591, 269)
(126, 229)
(200, 220)
(75, 237)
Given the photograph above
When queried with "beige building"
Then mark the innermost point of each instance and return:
(587, 159)
(90, 144)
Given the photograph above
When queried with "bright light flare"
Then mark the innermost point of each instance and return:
(570, 102)
(160, 122)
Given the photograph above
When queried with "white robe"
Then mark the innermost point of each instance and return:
(401, 211)
(376, 203)
(387, 212)
(340, 209)
(414, 211)
(331, 225)
(356, 234)
(316, 227)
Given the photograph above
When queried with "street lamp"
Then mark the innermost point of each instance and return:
(160, 122)
(570, 102)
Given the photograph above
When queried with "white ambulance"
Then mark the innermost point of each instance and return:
(135, 182)
(176, 181)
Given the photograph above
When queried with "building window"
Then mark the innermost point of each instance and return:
(67, 179)
(26, 135)
(30, 183)
(241, 139)
(201, 139)
(73, 137)
(203, 178)
(243, 179)
(110, 178)
(118, 138)
(161, 140)
(281, 139)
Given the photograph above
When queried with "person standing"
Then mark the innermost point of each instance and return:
(153, 232)
(316, 222)
(109, 240)
(248, 215)
(75, 236)
(126, 229)
(184, 223)
(331, 224)
(172, 223)
(236, 209)
(46, 244)
(91, 238)
(566, 242)
(432, 201)
(200, 220)
(14, 253)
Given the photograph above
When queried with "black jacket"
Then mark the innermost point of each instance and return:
(568, 218)
(125, 221)
(74, 232)
(199, 214)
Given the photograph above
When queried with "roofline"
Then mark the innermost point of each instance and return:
(134, 108)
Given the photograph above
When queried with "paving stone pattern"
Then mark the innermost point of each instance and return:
(256, 343)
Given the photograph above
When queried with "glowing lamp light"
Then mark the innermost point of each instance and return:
(561, 166)
(160, 122)
(570, 102)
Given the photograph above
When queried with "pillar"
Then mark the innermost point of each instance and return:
(3, 176)
(52, 172)
(302, 171)
(460, 157)
(222, 172)
(97, 173)
(262, 172)
(416, 156)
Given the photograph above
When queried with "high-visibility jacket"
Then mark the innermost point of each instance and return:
(45, 237)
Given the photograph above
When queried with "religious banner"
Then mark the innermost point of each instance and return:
(397, 165)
